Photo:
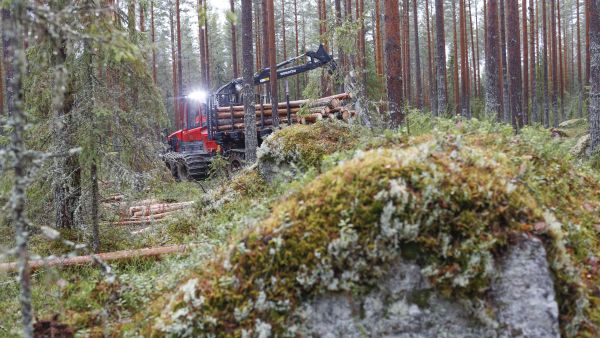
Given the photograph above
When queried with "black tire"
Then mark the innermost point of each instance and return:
(236, 161)
(182, 172)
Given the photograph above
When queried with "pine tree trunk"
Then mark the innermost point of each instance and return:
(174, 59)
(561, 56)
(441, 79)
(153, 36)
(514, 64)
(554, 58)
(234, 56)
(594, 99)
(493, 61)
(273, 60)
(525, 66)
(407, 59)
(12, 35)
(431, 77)
(391, 21)
(201, 42)
(545, 65)
(378, 39)
(532, 60)
(503, 46)
(464, 62)
(180, 88)
(251, 141)
(417, 59)
(579, 73)
(206, 44)
(297, 42)
(455, 47)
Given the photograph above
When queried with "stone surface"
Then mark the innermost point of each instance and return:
(404, 304)
(581, 147)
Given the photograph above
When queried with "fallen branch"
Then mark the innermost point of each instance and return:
(105, 257)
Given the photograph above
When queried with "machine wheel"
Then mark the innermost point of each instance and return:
(236, 161)
(182, 172)
(173, 169)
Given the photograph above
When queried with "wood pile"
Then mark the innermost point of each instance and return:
(232, 118)
(105, 257)
(145, 213)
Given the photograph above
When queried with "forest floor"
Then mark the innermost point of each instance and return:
(209, 217)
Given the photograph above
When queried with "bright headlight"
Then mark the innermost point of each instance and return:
(198, 95)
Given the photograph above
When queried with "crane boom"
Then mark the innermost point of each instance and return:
(229, 94)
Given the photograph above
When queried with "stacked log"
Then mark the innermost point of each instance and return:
(232, 118)
(148, 213)
(105, 257)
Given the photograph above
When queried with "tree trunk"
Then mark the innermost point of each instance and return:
(503, 46)
(555, 77)
(432, 95)
(248, 88)
(273, 59)
(464, 62)
(297, 43)
(579, 73)
(180, 88)
(545, 65)
(153, 36)
(525, 66)
(561, 71)
(493, 60)
(175, 77)
(201, 42)
(417, 59)
(595, 75)
(391, 21)
(378, 39)
(514, 63)
(12, 34)
(234, 56)
(532, 60)
(442, 94)
(455, 47)
(407, 63)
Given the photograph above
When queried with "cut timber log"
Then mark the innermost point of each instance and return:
(139, 211)
(106, 257)
(317, 103)
(269, 112)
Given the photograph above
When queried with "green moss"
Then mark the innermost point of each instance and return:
(344, 227)
(305, 146)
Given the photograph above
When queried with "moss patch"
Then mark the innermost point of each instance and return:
(305, 146)
(457, 200)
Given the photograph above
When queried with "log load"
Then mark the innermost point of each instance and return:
(105, 257)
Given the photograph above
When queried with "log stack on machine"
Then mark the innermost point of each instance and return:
(213, 125)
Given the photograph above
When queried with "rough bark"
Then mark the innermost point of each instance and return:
(505, 90)
(430, 76)
(174, 71)
(442, 94)
(391, 21)
(234, 56)
(532, 60)
(248, 88)
(455, 77)
(378, 38)
(201, 42)
(594, 98)
(579, 73)
(153, 37)
(273, 59)
(12, 36)
(554, 58)
(546, 117)
(492, 62)
(514, 65)
(180, 88)
(464, 62)
(525, 65)
(297, 78)
(417, 59)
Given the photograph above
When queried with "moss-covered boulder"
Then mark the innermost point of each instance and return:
(450, 204)
(301, 147)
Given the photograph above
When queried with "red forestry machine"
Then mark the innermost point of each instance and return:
(214, 125)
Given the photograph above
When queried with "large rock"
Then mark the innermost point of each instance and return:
(581, 147)
(521, 304)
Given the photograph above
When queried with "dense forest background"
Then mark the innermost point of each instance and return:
(90, 88)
